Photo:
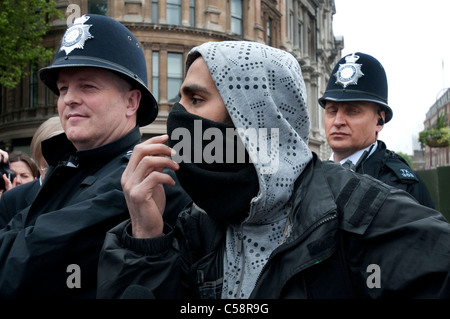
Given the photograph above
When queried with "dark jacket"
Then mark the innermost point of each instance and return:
(63, 222)
(352, 237)
(51, 246)
(392, 169)
(17, 199)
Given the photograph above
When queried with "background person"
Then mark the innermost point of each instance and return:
(309, 229)
(356, 110)
(14, 203)
(47, 129)
(6, 175)
(24, 166)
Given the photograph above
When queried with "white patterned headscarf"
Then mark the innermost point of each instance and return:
(264, 92)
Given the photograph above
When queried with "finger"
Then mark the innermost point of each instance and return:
(150, 164)
(151, 147)
(145, 167)
(141, 151)
(8, 184)
(157, 178)
(4, 155)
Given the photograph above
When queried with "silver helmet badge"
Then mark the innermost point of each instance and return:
(349, 72)
(76, 35)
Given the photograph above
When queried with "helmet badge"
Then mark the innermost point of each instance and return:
(350, 72)
(76, 35)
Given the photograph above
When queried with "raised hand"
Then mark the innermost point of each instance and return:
(142, 183)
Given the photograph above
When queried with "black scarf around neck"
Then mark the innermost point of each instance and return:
(212, 169)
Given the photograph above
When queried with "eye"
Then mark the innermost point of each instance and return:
(88, 86)
(62, 89)
(331, 111)
(196, 100)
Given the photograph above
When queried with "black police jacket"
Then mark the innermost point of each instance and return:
(50, 249)
(392, 169)
(352, 237)
(17, 199)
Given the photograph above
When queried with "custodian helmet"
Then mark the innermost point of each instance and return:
(358, 77)
(102, 42)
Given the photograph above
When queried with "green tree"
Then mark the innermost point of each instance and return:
(23, 23)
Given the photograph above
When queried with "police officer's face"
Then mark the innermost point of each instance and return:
(351, 126)
(95, 106)
(199, 94)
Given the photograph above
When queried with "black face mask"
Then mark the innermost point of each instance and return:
(215, 171)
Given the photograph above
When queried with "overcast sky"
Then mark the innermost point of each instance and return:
(411, 38)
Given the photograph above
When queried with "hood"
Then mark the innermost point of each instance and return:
(264, 92)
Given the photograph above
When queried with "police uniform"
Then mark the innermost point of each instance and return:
(361, 77)
(392, 169)
(50, 249)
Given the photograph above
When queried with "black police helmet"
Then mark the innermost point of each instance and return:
(102, 42)
(358, 77)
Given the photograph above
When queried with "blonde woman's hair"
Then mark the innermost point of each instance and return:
(47, 129)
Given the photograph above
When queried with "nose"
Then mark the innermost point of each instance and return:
(339, 119)
(18, 180)
(70, 96)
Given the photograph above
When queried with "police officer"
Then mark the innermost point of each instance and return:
(50, 248)
(356, 109)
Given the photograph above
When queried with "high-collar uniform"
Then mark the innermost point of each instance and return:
(392, 169)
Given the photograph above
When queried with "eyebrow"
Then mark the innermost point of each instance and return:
(189, 89)
(82, 78)
(353, 104)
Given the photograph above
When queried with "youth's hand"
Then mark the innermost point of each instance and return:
(142, 183)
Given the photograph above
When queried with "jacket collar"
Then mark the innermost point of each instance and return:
(372, 164)
(312, 199)
(58, 148)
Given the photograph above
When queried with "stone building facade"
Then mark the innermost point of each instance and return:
(167, 30)
(437, 156)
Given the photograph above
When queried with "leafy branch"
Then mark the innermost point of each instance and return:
(23, 24)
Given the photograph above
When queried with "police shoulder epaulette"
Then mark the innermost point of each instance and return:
(401, 169)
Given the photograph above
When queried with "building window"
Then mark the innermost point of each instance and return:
(299, 35)
(236, 17)
(192, 13)
(290, 28)
(174, 12)
(311, 37)
(174, 75)
(269, 31)
(98, 7)
(155, 11)
(155, 75)
(33, 87)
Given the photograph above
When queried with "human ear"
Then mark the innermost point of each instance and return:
(133, 99)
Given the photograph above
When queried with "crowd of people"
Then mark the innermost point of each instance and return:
(95, 212)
